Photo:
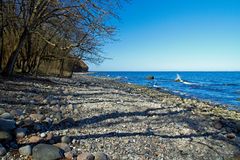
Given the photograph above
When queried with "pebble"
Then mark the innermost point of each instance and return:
(5, 136)
(6, 116)
(63, 146)
(74, 141)
(37, 117)
(35, 139)
(218, 125)
(3, 151)
(7, 124)
(26, 150)
(100, 156)
(231, 136)
(65, 139)
(43, 135)
(68, 155)
(2, 111)
(47, 152)
(85, 156)
(16, 112)
(49, 136)
(21, 132)
(58, 116)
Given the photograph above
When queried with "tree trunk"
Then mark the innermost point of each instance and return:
(8, 70)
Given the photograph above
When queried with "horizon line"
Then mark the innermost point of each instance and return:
(168, 71)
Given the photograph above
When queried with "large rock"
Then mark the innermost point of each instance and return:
(7, 124)
(26, 150)
(46, 152)
(150, 77)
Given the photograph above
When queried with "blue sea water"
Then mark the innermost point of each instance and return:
(217, 87)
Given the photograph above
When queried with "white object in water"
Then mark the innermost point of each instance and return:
(178, 78)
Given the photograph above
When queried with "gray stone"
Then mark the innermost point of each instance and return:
(65, 139)
(85, 156)
(7, 124)
(6, 116)
(58, 116)
(21, 132)
(46, 152)
(5, 136)
(37, 117)
(26, 150)
(2, 110)
(16, 112)
(63, 146)
(3, 151)
(100, 156)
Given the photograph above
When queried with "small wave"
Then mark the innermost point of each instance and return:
(189, 83)
(156, 86)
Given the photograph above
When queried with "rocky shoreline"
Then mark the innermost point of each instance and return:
(92, 118)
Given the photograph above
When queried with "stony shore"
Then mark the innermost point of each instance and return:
(88, 118)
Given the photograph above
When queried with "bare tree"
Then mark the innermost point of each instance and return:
(71, 27)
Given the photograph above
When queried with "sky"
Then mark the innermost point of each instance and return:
(175, 35)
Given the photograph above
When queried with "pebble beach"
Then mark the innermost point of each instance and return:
(87, 118)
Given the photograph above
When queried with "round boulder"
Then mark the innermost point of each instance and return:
(46, 152)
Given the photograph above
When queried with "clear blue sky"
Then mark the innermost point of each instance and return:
(187, 35)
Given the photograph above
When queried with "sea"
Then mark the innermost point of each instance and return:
(215, 87)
